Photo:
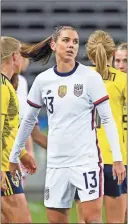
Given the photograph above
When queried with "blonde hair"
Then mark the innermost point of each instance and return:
(122, 46)
(9, 45)
(100, 48)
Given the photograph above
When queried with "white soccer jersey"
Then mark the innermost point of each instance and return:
(70, 99)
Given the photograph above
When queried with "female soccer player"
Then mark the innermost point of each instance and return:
(100, 49)
(13, 201)
(20, 85)
(120, 63)
(70, 91)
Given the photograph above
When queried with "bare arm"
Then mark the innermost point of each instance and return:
(29, 146)
(38, 137)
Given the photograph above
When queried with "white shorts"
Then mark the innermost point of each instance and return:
(61, 185)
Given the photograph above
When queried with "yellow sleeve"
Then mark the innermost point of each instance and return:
(23, 152)
(5, 99)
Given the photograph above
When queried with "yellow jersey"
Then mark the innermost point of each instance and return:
(125, 122)
(116, 88)
(9, 120)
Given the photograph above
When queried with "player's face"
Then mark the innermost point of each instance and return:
(120, 62)
(67, 45)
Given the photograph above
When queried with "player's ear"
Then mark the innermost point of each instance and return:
(53, 45)
(14, 56)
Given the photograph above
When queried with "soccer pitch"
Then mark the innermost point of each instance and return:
(38, 212)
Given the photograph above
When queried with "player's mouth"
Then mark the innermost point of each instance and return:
(70, 52)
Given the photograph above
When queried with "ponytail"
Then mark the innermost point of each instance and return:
(37, 52)
(100, 49)
(101, 61)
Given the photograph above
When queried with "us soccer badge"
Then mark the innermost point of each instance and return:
(62, 91)
(46, 193)
(78, 89)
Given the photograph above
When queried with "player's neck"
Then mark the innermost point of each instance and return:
(6, 71)
(64, 66)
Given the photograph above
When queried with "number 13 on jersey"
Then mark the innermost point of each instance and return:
(49, 104)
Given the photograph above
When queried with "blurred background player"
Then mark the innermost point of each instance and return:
(22, 92)
(121, 57)
(67, 154)
(13, 202)
(12, 188)
(100, 49)
(121, 63)
(20, 84)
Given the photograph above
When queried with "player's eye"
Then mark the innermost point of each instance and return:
(117, 60)
(65, 40)
(76, 41)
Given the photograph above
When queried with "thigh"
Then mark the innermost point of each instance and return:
(92, 210)
(4, 218)
(80, 217)
(58, 215)
(59, 192)
(114, 197)
(13, 201)
(115, 208)
(15, 208)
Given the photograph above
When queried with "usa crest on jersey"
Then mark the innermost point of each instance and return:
(78, 89)
(62, 91)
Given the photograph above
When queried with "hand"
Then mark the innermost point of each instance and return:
(13, 168)
(3, 181)
(29, 163)
(119, 171)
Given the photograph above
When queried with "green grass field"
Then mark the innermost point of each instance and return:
(39, 213)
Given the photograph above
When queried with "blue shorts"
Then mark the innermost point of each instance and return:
(14, 186)
(111, 188)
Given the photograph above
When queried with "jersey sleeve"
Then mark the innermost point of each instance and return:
(5, 99)
(105, 113)
(96, 89)
(35, 95)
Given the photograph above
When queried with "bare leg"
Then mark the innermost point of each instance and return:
(79, 212)
(15, 208)
(115, 208)
(4, 218)
(92, 210)
(58, 215)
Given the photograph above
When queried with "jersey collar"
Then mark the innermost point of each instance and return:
(64, 74)
(5, 76)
